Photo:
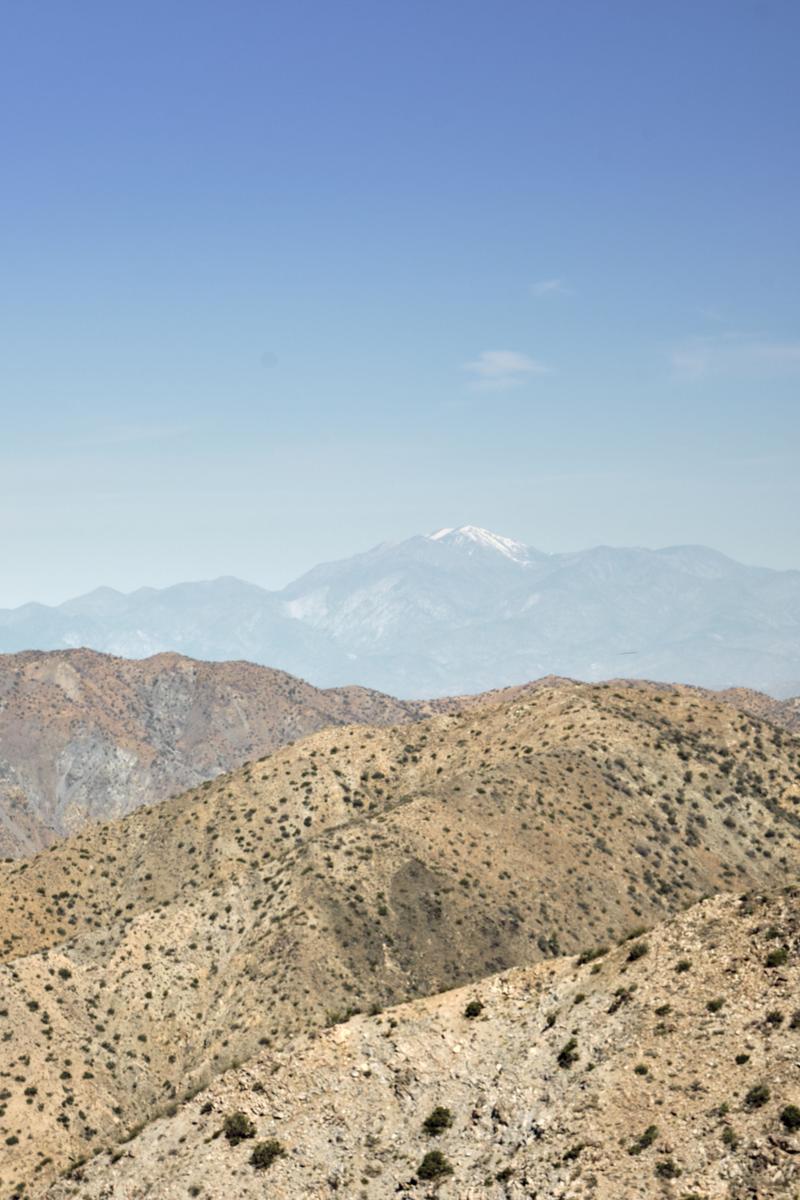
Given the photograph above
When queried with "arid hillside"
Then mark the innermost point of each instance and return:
(88, 737)
(662, 1067)
(363, 867)
(785, 713)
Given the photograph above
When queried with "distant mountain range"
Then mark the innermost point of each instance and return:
(462, 610)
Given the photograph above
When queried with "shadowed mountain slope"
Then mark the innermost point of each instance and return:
(666, 1067)
(363, 867)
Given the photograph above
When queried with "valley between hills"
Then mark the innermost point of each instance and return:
(166, 968)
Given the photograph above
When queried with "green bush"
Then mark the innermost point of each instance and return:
(790, 1118)
(644, 1140)
(434, 1166)
(587, 956)
(637, 950)
(237, 1126)
(567, 1055)
(757, 1097)
(265, 1153)
(667, 1169)
(473, 1009)
(776, 958)
(437, 1121)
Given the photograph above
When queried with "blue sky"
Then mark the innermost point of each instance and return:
(280, 281)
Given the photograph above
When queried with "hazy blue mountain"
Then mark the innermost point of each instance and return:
(462, 610)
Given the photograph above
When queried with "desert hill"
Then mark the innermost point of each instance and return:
(664, 1067)
(785, 713)
(362, 867)
(88, 737)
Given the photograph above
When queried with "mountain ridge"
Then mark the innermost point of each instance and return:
(461, 610)
(85, 737)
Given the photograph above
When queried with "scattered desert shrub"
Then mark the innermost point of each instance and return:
(790, 1118)
(644, 1140)
(757, 1097)
(437, 1121)
(237, 1126)
(265, 1153)
(637, 950)
(434, 1166)
(566, 1055)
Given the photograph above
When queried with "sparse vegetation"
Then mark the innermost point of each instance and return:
(644, 1140)
(437, 1121)
(237, 1126)
(265, 1153)
(434, 1166)
(757, 1096)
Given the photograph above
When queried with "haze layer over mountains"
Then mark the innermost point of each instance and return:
(462, 610)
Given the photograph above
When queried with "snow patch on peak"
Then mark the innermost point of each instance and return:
(473, 536)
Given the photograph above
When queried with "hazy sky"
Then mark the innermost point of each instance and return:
(282, 280)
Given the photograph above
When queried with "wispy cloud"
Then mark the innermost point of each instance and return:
(550, 287)
(735, 354)
(496, 370)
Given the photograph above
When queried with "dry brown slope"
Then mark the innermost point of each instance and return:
(363, 867)
(785, 713)
(622, 1078)
(88, 737)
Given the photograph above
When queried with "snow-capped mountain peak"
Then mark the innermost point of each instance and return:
(472, 536)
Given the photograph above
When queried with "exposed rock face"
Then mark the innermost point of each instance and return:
(660, 1094)
(361, 867)
(87, 737)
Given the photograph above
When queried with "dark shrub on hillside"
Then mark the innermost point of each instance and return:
(237, 1126)
(437, 1121)
(434, 1166)
(265, 1153)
